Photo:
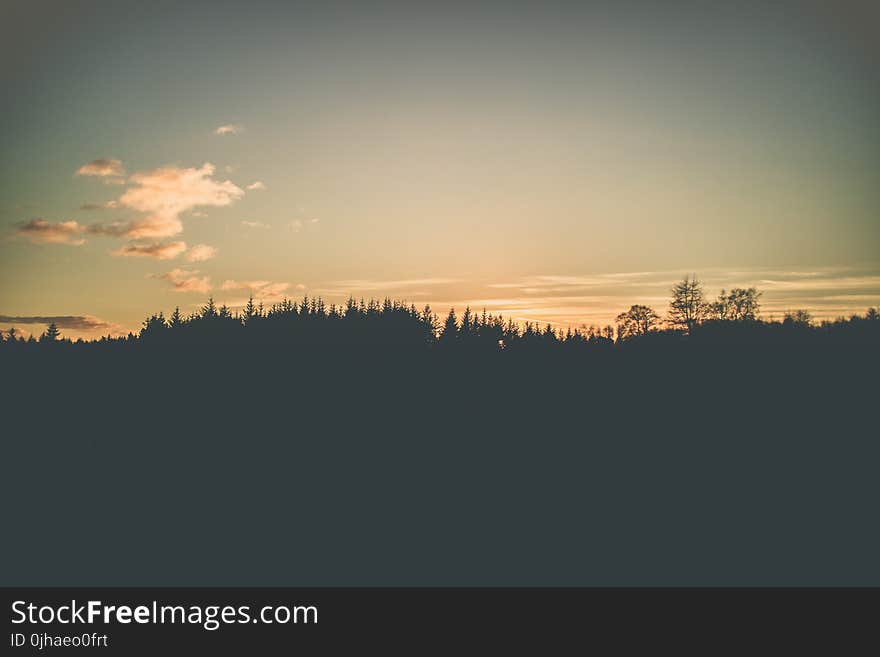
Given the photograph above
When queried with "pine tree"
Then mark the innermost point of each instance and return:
(429, 321)
(52, 333)
(467, 324)
(209, 310)
(449, 333)
(175, 321)
(250, 311)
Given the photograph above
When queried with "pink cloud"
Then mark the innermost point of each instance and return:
(268, 290)
(109, 170)
(200, 253)
(182, 280)
(163, 194)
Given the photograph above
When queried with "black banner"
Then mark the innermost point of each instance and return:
(123, 621)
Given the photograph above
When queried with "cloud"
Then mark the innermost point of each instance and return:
(367, 285)
(90, 207)
(168, 251)
(112, 229)
(154, 226)
(298, 224)
(111, 171)
(257, 185)
(74, 322)
(163, 194)
(260, 289)
(254, 224)
(228, 129)
(160, 250)
(40, 231)
(200, 253)
(183, 280)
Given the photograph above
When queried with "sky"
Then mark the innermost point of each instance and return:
(553, 162)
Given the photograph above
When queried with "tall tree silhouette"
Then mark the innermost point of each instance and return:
(449, 332)
(688, 305)
(209, 310)
(52, 334)
(175, 321)
(250, 311)
(464, 331)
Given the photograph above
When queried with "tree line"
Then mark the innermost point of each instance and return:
(390, 323)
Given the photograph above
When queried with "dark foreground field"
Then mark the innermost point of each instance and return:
(691, 465)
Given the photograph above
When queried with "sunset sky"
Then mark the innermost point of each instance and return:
(552, 161)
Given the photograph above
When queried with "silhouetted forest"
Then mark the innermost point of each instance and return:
(377, 444)
(734, 317)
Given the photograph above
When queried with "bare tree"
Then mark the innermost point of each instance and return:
(688, 306)
(737, 305)
(638, 320)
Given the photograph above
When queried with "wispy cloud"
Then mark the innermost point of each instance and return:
(183, 280)
(228, 129)
(72, 326)
(256, 185)
(266, 290)
(159, 250)
(200, 253)
(91, 207)
(366, 285)
(254, 224)
(110, 229)
(107, 169)
(298, 224)
(40, 231)
(573, 284)
(77, 322)
(167, 251)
